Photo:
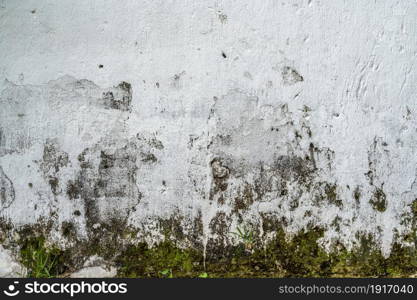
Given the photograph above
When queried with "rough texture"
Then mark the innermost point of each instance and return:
(153, 120)
(94, 267)
(9, 266)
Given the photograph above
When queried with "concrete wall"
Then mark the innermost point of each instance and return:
(211, 115)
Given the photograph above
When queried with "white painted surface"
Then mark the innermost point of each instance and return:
(358, 96)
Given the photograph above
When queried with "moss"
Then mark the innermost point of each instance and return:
(40, 260)
(336, 223)
(357, 194)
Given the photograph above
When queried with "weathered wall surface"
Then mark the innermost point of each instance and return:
(206, 115)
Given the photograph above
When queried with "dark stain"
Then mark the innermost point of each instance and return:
(7, 192)
(172, 228)
(53, 158)
(294, 168)
(120, 98)
(73, 189)
(220, 175)
(2, 138)
(54, 184)
(357, 194)
(327, 192)
(152, 142)
(149, 157)
(100, 66)
(224, 55)
(290, 76)
(68, 230)
(216, 245)
(176, 81)
(222, 17)
(244, 200)
(113, 179)
(218, 170)
(331, 194)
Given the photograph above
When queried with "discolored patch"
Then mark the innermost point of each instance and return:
(7, 192)
(120, 97)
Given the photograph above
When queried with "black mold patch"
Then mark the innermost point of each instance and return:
(54, 184)
(152, 141)
(73, 189)
(2, 139)
(217, 245)
(220, 173)
(53, 160)
(326, 192)
(357, 194)
(177, 80)
(7, 192)
(244, 200)
(69, 230)
(149, 157)
(222, 17)
(106, 175)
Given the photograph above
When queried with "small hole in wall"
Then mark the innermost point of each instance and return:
(33, 11)
(157, 85)
(77, 213)
(30, 184)
(100, 66)
(224, 55)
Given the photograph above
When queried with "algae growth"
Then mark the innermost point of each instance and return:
(299, 255)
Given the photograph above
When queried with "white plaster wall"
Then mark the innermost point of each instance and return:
(357, 97)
